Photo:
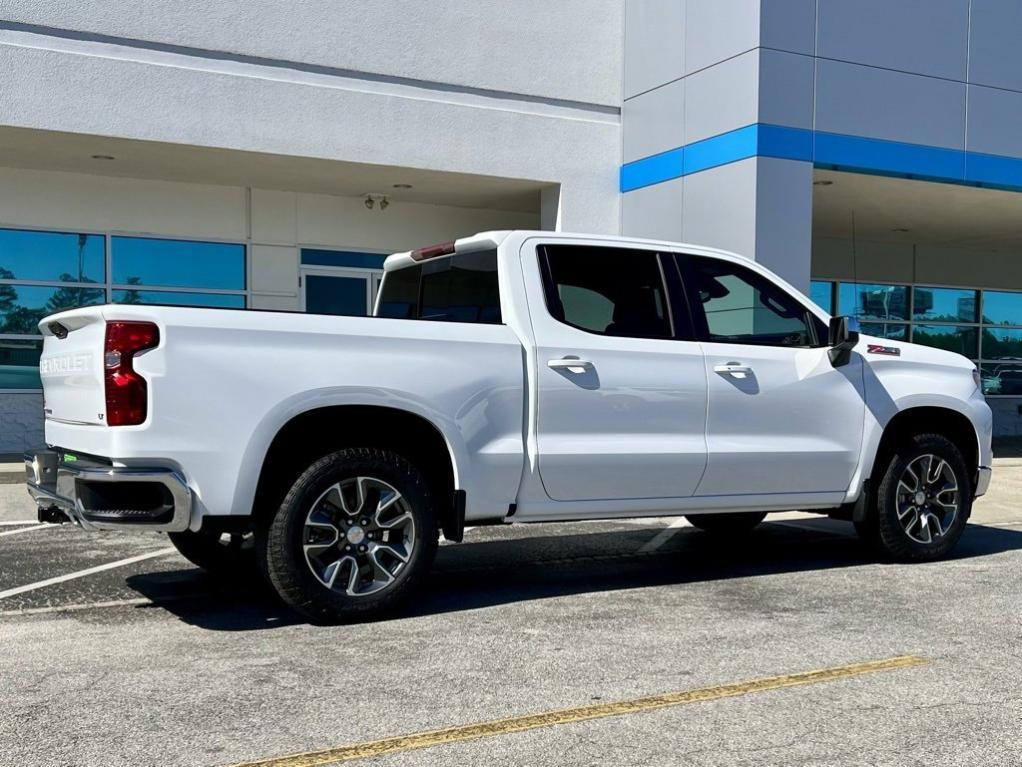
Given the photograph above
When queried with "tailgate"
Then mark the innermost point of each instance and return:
(71, 367)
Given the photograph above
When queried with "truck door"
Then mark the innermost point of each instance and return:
(621, 389)
(781, 418)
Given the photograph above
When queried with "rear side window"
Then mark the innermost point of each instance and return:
(608, 291)
(461, 288)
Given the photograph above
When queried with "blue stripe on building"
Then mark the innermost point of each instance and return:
(350, 258)
(826, 150)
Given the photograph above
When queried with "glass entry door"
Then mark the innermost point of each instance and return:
(347, 292)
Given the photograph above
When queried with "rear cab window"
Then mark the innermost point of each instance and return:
(608, 291)
(460, 288)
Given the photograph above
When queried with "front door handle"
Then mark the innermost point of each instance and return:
(571, 364)
(733, 369)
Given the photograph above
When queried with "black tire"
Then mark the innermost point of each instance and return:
(222, 555)
(735, 523)
(282, 541)
(882, 528)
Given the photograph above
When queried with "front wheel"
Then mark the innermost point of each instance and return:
(727, 524)
(353, 538)
(922, 502)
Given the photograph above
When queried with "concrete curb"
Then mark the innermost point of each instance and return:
(12, 473)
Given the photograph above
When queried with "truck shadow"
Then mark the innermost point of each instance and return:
(521, 567)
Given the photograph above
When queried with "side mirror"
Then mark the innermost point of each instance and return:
(842, 336)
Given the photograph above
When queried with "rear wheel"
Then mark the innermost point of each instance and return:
(922, 502)
(220, 554)
(354, 537)
(727, 524)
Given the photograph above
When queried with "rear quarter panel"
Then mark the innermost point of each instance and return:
(222, 384)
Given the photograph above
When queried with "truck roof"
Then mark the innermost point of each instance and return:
(493, 239)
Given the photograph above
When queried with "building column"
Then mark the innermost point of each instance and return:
(761, 208)
(716, 126)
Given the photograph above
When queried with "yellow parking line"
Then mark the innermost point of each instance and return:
(580, 714)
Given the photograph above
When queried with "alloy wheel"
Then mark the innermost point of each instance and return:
(358, 536)
(928, 498)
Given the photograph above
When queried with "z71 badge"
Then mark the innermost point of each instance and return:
(892, 351)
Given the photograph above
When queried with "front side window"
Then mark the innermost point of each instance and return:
(607, 291)
(460, 288)
(736, 305)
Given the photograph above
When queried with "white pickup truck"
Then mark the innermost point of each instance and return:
(505, 377)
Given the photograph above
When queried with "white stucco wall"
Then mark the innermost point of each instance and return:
(483, 121)
(569, 49)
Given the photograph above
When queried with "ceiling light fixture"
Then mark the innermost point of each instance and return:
(374, 198)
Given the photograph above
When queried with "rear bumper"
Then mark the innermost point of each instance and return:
(101, 497)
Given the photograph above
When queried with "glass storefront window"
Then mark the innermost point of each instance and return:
(943, 304)
(1001, 308)
(23, 306)
(19, 363)
(1002, 378)
(145, 270)
(893, 330)
(1002, 343)
(177, 263)
(873, 302)
(955, 338)
(983, 325)
(52, 256)
(821, 294)
(179, 298)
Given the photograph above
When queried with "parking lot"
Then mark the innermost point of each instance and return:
(115, 651)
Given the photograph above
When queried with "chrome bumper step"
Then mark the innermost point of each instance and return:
(101, 497)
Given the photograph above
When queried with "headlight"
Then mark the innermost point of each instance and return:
(978, 380)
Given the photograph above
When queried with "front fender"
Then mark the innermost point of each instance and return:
(895, 391)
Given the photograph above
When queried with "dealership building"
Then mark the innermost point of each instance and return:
(268, 155)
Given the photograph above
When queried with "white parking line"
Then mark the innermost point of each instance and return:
(25, 530)
(82, 573)
(663, 536)
(13, 522)
(104, 605)
(76, 606)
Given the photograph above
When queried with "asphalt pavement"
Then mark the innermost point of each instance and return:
(115, 651)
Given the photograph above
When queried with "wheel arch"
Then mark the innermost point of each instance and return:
(928, 419)
(313, 433)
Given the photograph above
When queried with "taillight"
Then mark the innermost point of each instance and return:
(126, 392)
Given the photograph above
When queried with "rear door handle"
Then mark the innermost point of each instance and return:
(733, 369)
(571, 364)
